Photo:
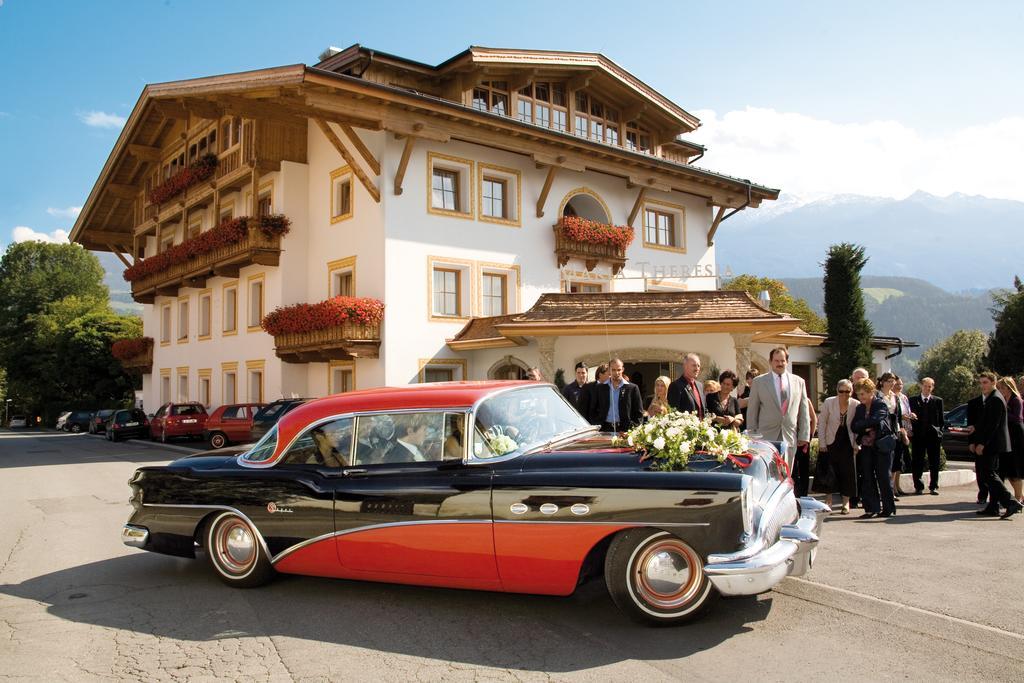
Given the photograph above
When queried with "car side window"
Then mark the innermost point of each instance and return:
(326, 445)
(396, 438)
(162, 411)
(231, 413)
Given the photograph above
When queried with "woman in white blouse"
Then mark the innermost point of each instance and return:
(837, 441)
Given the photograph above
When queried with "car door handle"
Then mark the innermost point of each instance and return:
(349, 472)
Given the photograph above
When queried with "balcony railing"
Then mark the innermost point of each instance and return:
(135, 355)
(225, 261)
(590, 252)
(142, 363)
(343, 342)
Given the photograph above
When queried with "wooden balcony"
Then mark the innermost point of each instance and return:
(143, 363)
(225, 261)
(345, 342)
(589, 252)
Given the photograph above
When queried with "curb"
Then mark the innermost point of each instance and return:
(947, 478)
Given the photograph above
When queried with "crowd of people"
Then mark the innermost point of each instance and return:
(869, 433)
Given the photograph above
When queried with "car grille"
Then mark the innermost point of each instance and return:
(773, 520)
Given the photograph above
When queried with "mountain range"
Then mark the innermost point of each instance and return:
(958, 242)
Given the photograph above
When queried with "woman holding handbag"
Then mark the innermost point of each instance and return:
(872, 425)
(837, 444)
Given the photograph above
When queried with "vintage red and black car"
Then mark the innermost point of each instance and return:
(497, 486)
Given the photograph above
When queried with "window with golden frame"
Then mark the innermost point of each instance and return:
(664, 226)
(342, 377)
(596, 120)
(229, 382)
(182, 386)
(341, 277)
(585, 288)
(450, 189)
(165, 324)
(165, 386)
(255, 303)
(205, 314)
(183, 310)
(447, 292)
(494, 294)
(229, 324)
(341, 194)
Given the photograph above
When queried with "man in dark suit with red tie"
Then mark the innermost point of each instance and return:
(685, 393)
(929, 419)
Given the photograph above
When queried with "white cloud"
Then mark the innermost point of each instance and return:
(814, 157)
(70, 212)
(22, 233)
(101, 119)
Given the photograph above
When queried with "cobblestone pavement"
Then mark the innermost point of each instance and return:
(77, 605)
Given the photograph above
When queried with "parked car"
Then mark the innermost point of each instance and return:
(127, 424)
(177, 420)
(18, 422)
(497, 486)
(98, 423)
(61, 419)
(954, 434)
(269, 414)
(78, 421)
(230, 424)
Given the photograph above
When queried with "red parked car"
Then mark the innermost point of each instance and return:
(175, 420)
(230, 424)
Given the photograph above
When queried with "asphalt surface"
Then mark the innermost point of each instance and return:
(933, 594)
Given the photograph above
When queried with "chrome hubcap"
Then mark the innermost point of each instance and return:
(236, 547)
(667, 574)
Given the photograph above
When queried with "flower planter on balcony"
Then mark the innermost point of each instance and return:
(341, 328)
(591, 242)
(136, 355)
(344, 342)
(222, 253)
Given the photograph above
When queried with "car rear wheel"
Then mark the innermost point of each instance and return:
(218, 440)
(657, 578)
(235, 552)
(76, 428)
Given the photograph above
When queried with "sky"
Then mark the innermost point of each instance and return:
(815, 98)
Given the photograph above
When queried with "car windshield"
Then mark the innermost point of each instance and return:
(105, 413)
(269, 411)
(519, 420)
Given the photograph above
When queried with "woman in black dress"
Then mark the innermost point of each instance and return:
(837, 442)
(722, 406)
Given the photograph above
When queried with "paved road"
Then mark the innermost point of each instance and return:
(77, 605)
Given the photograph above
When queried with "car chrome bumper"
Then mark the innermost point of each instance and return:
(793, 554)
(135, 536)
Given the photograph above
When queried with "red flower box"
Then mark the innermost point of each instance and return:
(323, 315)
(196, 173)
(230, 231)
(583, 230)
(126, 349)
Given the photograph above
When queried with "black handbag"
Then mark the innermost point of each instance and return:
(887, 444)
(824, 475)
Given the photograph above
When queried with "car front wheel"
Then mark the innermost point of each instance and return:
(657, 578)
(235, 552)
(76, 428)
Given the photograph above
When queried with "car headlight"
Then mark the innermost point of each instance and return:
(747, 505)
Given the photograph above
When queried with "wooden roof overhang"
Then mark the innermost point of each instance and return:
(296, 92)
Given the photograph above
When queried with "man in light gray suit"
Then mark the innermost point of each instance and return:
(777, 408)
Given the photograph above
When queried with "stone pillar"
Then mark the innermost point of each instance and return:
(742, 342)
(546, 346)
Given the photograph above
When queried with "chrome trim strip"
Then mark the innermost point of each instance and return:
(226, 508)
(323, 537)
(611, 522)
(421, 522)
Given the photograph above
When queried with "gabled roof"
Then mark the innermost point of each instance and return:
(627, 313)
(482, 56)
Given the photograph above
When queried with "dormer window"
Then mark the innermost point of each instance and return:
(637, 139)
(543, 104)
(491, 96)
(595, 120)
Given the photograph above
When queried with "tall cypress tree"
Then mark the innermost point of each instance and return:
(849, 331)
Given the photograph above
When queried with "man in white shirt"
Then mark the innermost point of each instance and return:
(777, 407)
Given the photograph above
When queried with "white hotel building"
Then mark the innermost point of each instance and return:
(436, 190)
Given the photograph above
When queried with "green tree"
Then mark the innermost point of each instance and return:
(848, 328)
(954, 364)
(1006, 343)
(782, 300)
